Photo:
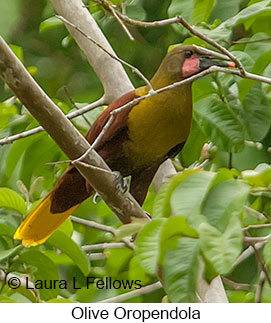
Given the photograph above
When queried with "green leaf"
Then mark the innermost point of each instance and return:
(267, 253)
(123, 256)
(6, 112)
(147, 245)
(5, 254)
(60, 300)
(180, 271)
(225, 9)
(223, 32)
(175, 226)
(130, 229)
(9, 15)
(225, 200)
(17, 150)
(50, 23)
(220, 124)
(67, 227)
(259, 177)
(5, 299)
(257, 116)
(193, 146)
(202, 10)
(187, 198)
(221, 249)
(162, 207)
(260, 65)
(63, 242)
(43, 269)
(183, 8)
(6, 230)
(18, 51)
(9, 199)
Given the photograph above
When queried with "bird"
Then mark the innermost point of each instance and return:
(137, 142)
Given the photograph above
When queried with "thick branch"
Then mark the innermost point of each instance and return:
(65, 135)
(75, 12)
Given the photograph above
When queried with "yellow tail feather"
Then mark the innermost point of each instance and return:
(41, 223)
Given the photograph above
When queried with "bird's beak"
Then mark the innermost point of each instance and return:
(208, 58)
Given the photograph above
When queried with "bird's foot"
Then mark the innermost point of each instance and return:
(121, 184)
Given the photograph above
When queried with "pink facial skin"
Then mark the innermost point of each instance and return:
(190, 66)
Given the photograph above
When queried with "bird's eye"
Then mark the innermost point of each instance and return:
(188, 53)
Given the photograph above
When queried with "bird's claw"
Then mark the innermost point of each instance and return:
(120, 183)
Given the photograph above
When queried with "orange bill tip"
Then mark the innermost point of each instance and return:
(231, 64)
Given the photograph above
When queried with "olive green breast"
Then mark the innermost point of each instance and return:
(158, 124)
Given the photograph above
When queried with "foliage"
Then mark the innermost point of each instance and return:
(209, 206)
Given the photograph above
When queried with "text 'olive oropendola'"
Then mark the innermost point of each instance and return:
(137, 142)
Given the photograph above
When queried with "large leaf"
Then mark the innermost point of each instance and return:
(43, 269)
(180, 271)
(221, 249)
(162, 207)
(175, 226)
(63, 242)
(260, 65)
(225, 200)
(184, 8)
(17, 150)
(147, 245)
(187, 198)
(257, 115)
(9, 199)
(223, 32)
(202, 10)
(220, 124)
(225, 9)
(193, 146)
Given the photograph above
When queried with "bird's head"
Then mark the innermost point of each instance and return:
(184, 61)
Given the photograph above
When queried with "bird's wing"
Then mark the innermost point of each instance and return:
(118, 123)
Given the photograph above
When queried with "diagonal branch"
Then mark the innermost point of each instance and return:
(67, 137)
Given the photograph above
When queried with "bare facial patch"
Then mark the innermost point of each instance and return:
(190, 66)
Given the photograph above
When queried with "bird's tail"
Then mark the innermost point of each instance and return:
(41, 223)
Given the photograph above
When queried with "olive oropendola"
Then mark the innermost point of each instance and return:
(137, 142)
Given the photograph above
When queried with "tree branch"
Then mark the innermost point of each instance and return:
(115, 81)
(64, 134)
(71, 115)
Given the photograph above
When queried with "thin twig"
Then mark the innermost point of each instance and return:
(133, 68)
(100, 246)
(71, 115)
(252, 240)
(263, 265)
(214, 44)
(97, 256)
(259, 289)
(248, 252)
(257, 214)
(177, 19)
(134, 293)
(250, 41)
(257, 226)
(92, 224)
(167, 88)
(74, 104)
(235, 286)
(126, 30)
(153, 24)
